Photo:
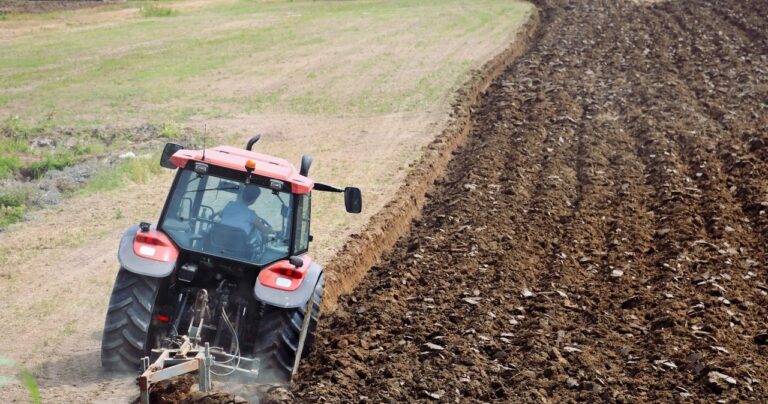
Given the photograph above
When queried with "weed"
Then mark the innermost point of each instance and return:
(14, 145)
(15, 128)
(13, 125)
(8, 166)
(10, 215)
(118, 214)
(170, 131)
(29, 382)
(69, 328)
(153, 10)
(3, 16)
(13, 198)
(88, 149)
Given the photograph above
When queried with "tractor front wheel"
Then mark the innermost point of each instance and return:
(128, 326)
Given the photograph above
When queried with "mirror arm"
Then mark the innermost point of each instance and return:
(327, 188)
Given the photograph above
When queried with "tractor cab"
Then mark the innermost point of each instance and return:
(241, 205)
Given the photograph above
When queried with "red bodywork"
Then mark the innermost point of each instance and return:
(154, 245)
(235, 159)
(284, 276)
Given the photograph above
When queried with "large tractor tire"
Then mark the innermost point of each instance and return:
(128, 327)
(278, 334)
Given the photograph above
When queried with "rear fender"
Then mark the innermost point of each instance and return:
(151, 254)
(274, 289)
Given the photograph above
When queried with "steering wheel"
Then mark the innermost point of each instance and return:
(258, 243)
(266, 224)
(258, 239)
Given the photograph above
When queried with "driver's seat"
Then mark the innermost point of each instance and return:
(228, 241)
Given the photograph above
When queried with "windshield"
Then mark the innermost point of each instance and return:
(227, 218)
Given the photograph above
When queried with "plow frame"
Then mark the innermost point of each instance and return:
(175, 362)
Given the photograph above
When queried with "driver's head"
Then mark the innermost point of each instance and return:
(250, 193)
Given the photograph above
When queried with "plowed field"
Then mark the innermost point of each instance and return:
(603, 235)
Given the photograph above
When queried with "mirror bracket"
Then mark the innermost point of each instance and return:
(296, 261)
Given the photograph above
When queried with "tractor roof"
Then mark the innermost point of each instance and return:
(235, 159)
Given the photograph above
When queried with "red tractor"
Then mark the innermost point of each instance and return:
(225, 265)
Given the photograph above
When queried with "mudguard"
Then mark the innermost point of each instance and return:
(287, 297)
(156, 257)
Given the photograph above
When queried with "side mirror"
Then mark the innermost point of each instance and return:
(353, 200)
(168, 151)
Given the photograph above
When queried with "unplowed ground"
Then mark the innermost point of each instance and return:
(46, 6)
(603, 236)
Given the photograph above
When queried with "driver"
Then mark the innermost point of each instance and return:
(238, 213)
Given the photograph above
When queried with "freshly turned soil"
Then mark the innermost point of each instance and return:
(603, 236)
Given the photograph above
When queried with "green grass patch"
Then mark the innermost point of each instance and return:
(16, 129)
(13, 146)
(153, 10)
(12, 206)
(55, 161)
(136, 170)
(10, 215)
(8, 166)
(15, 197)
(72, 147)
(171, 130)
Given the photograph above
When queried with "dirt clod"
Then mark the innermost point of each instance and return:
(277, 395)
(183, 390)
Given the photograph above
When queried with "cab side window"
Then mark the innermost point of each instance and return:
(301, 243)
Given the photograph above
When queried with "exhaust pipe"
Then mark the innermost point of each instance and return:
(251, 142)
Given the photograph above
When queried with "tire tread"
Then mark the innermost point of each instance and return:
(127, 324)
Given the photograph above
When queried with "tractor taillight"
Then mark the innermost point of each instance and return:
(291, 273)
(147, 239)
(287, 275)
(154, 245)
(162, 318)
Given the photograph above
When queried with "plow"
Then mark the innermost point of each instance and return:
(223, 285)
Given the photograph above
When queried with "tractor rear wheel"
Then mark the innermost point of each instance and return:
(278, 335)
(128, 326)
